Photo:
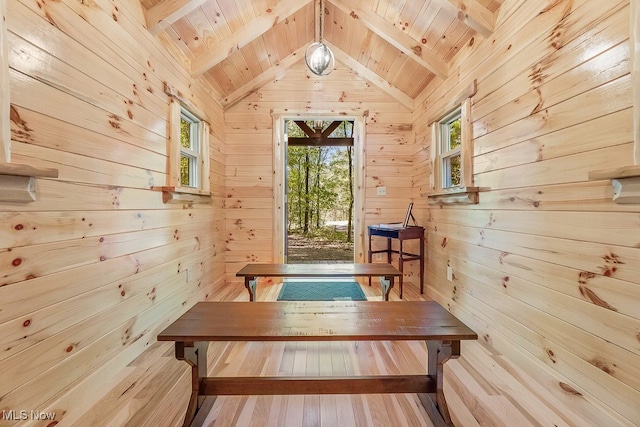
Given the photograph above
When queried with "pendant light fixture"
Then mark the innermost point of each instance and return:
(318, 56)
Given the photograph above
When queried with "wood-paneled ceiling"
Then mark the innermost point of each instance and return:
(241, 45)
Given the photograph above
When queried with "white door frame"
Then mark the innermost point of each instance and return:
(279, 158)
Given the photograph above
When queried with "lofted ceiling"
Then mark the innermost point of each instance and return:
(241, 45)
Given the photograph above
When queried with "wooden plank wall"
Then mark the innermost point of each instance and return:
(98, 265)
(546, 265)
(388, 145)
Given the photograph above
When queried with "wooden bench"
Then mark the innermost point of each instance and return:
(386, 272)
(319, 321)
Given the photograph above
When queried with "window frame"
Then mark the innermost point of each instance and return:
(439, 192)
(193, 152)
(446, 153)
(178, 110)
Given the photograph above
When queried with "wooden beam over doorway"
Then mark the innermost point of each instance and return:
(319, 137)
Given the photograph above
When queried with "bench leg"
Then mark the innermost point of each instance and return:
(438, 352)
(195, 354)
(251, 283)
(369, 258)
(386, 283)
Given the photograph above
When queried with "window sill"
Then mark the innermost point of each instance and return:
(183, 195)
(625, 182)
(17, 181)
(459, 196)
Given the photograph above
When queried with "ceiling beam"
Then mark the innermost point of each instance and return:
(396, 37)
(317, 141)
(306, 129)
(318, 133)
(320, 138)
(245, 35)
(472, 13)
(329, 130)
(371, 77)
(274, 72)
(165, 13)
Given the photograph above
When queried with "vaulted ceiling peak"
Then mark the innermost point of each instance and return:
(240, 45)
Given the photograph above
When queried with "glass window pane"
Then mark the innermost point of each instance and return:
(185, 133)
(185, 171)
(455, 170)
(454, 134)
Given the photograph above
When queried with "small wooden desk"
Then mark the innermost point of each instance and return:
(318, 321)
(402, 234)
(387, 273)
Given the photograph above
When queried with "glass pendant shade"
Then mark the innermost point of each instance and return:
(319, 59)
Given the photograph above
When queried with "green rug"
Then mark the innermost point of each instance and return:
(321, 291)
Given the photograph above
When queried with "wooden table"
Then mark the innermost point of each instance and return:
(386, 272)
(401, 234)
(318, 321)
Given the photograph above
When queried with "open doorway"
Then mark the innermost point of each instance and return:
(279, 178)
(319, 191)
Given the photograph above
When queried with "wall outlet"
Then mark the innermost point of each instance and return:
(189, 275)
(381, 191)
(449, 273)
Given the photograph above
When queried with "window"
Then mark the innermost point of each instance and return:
(188, 150)
(450, 139)
(451, 175)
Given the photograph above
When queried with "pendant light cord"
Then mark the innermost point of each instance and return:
(320, 22)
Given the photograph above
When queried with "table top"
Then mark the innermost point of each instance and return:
(318, 270)
(316, 321)
(409, 232)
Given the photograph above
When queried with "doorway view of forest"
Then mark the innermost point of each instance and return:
(319, 191)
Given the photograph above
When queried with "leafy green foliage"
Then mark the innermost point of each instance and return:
(185, 133)
(455, 139)
(455, 133)
(185, 141)
(455, 171)
(319, 184)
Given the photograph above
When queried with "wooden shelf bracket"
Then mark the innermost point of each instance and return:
(625, 182)
(17, 182)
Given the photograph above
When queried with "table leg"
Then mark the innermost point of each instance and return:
(401, 267)
(370, 258)
(386, 283)
(251, 283)
(421, 264)
(195, 354)
(438, 352)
